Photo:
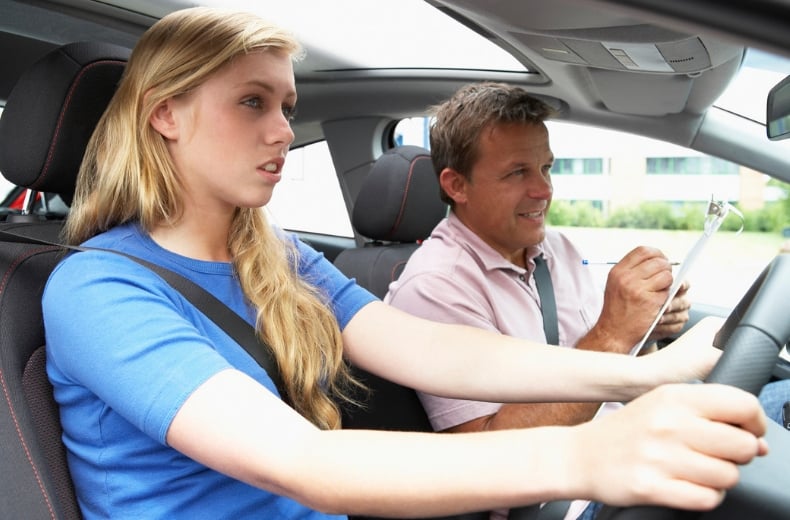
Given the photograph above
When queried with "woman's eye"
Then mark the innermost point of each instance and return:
(289, 112)
(252, 102)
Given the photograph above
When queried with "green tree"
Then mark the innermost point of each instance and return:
(784, 201)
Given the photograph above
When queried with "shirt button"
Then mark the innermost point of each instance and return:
(522, 277)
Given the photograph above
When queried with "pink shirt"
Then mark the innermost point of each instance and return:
(455, 277)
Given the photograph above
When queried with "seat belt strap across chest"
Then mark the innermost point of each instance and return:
(234, 325)
(548, 305)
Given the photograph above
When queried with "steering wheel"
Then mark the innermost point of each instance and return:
(751, 338)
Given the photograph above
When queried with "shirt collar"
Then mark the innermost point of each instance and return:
(489, 258)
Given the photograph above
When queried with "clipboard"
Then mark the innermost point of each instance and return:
(716, 213)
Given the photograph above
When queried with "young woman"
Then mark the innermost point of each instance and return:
(164, 416)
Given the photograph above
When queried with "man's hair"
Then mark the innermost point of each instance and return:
(459, 121)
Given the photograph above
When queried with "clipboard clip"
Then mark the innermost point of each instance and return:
(716, 213)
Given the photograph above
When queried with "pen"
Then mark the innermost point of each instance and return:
(591, 262)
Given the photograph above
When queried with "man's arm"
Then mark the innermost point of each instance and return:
(447, 299)
(528, 415)
(636, 289)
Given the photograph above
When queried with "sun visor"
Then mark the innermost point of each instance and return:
(642, 94)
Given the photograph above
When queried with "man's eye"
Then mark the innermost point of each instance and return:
(289, 112)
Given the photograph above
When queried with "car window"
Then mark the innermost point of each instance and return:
(308, 198)
(614, 191)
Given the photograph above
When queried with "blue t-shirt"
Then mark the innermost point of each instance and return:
(125, 350)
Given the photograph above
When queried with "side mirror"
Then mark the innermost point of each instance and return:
(778, 111)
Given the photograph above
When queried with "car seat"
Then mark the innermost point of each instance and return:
(397, 207)
(44, 129)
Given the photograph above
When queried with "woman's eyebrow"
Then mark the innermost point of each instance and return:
(266, 86)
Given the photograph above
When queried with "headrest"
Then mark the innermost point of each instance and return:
(399, 201)
(51, 112)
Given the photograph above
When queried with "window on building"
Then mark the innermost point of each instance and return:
(577, 166)
(690, 166)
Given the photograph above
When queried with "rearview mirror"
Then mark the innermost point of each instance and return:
(778, 111)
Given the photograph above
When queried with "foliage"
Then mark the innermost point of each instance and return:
(576, 214)
(784, 201)
(772, 218)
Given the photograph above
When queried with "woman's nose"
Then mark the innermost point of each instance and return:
(281, 131)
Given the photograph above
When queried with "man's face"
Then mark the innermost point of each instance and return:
(508, 194)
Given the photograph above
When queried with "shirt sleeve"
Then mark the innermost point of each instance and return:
(458, 304)
(115, 328)
(344, 295)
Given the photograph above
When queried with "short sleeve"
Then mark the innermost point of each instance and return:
(117, 330)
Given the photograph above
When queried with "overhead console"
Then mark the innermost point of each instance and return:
(634, 48)
(629, 65)
(581, 33)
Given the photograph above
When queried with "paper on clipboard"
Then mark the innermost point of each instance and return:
(715, 215)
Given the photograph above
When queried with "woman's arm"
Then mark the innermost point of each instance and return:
(676, 446)
(467, 362)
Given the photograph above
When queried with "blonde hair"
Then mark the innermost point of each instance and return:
(128, 175)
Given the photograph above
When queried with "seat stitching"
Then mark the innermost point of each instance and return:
(405, 195)
(4, 384)
(62, 114)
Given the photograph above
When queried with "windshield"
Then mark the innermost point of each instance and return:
(386, 45)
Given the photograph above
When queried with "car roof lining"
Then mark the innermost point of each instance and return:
(595, 96)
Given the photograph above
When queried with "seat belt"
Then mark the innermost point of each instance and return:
(548, 305)
(557, 509)
(234, 325)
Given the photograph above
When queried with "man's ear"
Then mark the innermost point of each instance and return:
(453, 184)
(163, 120)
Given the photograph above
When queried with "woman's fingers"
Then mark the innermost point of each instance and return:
(678, 446)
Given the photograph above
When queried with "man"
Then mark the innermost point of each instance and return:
(490, 149)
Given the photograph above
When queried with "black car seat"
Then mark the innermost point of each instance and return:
(47, 121)
(397, 207)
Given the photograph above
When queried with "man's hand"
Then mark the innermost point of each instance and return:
(675, 317)
(636, 288)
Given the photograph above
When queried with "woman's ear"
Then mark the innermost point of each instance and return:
(453, 184)
(163, 120)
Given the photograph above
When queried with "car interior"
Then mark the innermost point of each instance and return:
(629, 65)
